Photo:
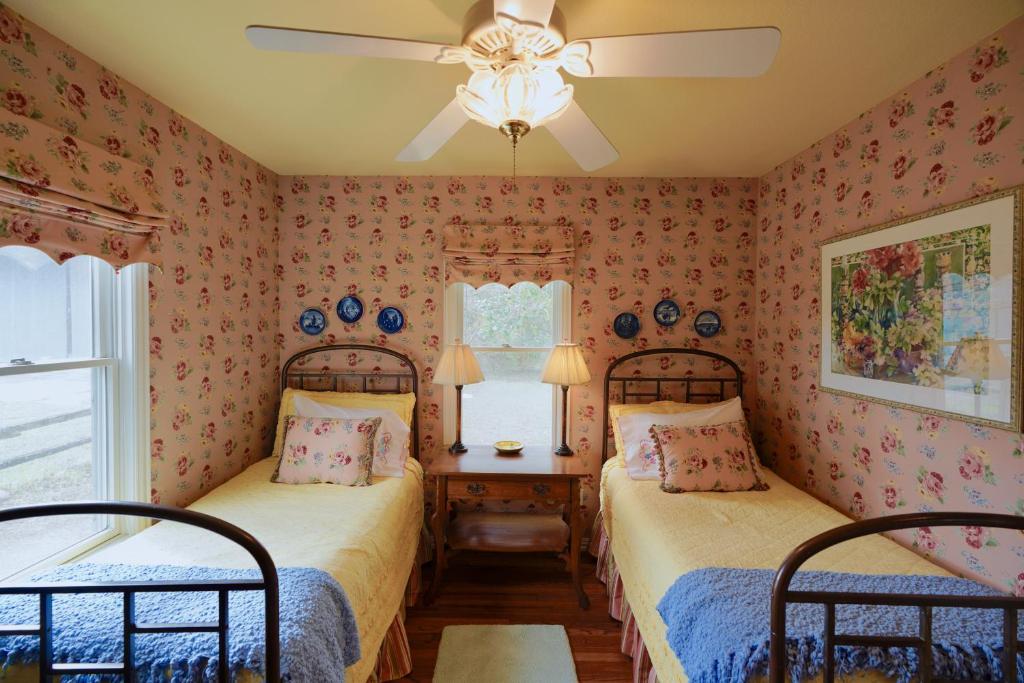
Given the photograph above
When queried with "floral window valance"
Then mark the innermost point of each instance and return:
(67, 197)
(507, 254)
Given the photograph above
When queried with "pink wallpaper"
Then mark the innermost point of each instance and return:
(213, 308)
(956, 133)
(638, 241)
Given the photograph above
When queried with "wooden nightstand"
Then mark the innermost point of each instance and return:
(536, 475)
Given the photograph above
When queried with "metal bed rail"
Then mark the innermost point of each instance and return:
(782, 595)
(128, 589)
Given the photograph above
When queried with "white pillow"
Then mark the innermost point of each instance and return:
(390, 445)
(641, 456)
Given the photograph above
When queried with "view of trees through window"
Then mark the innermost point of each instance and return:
(511, 331)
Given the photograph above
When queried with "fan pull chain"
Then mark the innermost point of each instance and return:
(514, 146)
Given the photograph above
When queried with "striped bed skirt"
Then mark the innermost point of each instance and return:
(394, 659)
(630, 641)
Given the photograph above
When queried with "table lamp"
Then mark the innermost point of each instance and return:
(566, 367)
(458, 366)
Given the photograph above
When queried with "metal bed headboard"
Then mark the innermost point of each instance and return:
(692, 386)
(297, 374)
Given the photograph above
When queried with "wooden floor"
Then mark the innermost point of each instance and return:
(520, 589)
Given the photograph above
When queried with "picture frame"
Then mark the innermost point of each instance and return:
(924, 312)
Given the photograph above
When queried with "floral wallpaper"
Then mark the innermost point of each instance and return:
(637, 241)
(954, 134)
(213, 309)
(744, 247)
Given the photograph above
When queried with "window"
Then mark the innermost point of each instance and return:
(73, 399)
(511, 332)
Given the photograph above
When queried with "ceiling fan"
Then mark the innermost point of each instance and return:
(515, 49)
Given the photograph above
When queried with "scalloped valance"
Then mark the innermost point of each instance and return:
(507, 254)
(67, 197)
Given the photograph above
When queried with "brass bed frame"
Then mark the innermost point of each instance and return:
(640, 384)
(296, 373)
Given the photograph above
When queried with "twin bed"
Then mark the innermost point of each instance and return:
(647, 539)
(367, 539)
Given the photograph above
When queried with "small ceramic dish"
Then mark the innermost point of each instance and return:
(508, 447)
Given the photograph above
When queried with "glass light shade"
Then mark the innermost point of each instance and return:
(566, 366)
(518, 92)
(458, 366)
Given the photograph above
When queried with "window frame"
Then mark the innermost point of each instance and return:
(120, 406)
(561, 329)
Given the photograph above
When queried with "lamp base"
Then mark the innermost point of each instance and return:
(563, 450)
(457, 447)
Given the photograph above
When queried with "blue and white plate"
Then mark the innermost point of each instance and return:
(666, 312)
(312, 321)
(626, 325)
(350, 309)
(390, 320)
(707, 323)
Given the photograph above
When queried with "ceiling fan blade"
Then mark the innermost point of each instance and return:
(319, 42)
(530, 12)
(741, 52)
(583, 140)
(439, 131)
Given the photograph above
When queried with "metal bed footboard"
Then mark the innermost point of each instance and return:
(44, 629)
(782, 595)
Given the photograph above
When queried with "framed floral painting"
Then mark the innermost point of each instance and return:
(925, 312)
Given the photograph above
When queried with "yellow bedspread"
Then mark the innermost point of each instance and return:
(365, 537)
(656, 537)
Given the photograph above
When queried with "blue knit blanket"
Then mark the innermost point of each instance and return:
(718, 626)
(319, 637)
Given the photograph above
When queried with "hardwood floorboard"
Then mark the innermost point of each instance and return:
(520, 589)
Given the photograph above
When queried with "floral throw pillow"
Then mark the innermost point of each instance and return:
(707, 458)
(327, 450)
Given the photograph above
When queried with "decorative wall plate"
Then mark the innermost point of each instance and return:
(312, 321)
(626, 325)
(707, 323)
(666, 312)
(390, 320)
(350, 309)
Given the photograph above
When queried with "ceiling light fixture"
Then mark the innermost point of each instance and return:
(515, 99)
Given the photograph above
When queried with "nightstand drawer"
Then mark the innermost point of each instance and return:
(508, 490)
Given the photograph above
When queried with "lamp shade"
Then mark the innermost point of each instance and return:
(566, 366)
(458, 366)
(979, 358)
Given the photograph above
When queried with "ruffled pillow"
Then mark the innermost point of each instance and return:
(707, 458)
(390, 445)
(633, 428)
(327, 450)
